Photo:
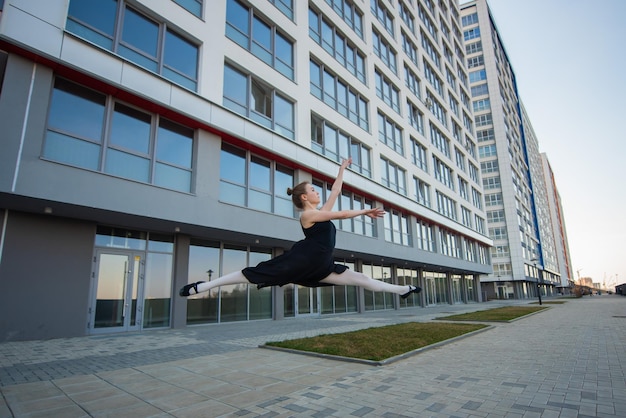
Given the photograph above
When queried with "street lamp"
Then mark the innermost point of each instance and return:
(534, 260)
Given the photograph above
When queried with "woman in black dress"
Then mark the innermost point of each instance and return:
(310, 261)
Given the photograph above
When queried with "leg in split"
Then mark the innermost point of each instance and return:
(235, 277)
(353, 278)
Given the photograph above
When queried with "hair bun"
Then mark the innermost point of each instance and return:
(289, 191)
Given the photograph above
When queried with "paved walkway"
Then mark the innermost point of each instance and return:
(568, 361)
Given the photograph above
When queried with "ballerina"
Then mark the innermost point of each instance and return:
(310, 261)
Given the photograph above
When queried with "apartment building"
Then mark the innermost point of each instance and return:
(149, 144)
(527, 254)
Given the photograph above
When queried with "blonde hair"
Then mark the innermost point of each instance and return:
(296, 194)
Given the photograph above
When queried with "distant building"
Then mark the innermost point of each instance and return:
(523, 210)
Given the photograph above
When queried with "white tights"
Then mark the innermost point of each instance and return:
(347, 278)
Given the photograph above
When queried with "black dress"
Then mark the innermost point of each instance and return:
(306, 263)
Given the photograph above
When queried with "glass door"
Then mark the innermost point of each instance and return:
(118, 292)
(431, 291)
(307, 300)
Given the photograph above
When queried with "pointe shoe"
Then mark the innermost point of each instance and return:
(186, 288)
(414, 289)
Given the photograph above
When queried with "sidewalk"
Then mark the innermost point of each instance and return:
(569, 361)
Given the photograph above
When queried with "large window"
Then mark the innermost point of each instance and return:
(192, 6)
(397, 227)
(418, 155)
(387, 91)
(422, 192)
(384, 51)
(393, 176)
(256, 100)
(251, 181)
(390, 134)
(152, 44)
(260, 37)
(349, 13)
(238, 302)
(338, 145)
(141, 146)
(337, 94)
(336, 44)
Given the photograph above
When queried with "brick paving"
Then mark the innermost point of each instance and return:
(568, 361)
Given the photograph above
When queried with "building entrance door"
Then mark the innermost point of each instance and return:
(431, 291)
(307, 300)
(118, 288)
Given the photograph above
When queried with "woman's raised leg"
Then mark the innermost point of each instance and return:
(235, 277)
(353, 278)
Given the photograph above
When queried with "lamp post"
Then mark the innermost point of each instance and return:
(534, 260)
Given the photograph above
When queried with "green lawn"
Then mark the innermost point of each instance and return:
(380, 343)
(506, 313)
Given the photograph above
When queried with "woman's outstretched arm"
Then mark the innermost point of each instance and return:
(335, 190)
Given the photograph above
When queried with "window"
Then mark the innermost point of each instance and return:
(433, 79)
(460, 159)
(387, 91)
(495, 215)
(259, 37)
(338, 145)
(250, 181)
(469, 19)
(409, 48)
(475, 61)
(494, 199)
(422, 192)
(428, 23)
(141, 146)
(148, 43)
(482, 104)
(463, 188)
(339, 95)
(439, 140)
(466, 217)
(443, 173)
(407, 17)
(482, 120)
(425, 238)
(473, 47)
(498, 233)
(437, 109)
(336, 44)
(477, 198)
(259, 102)
(418, 154)
(489, 167)
(449, 244)
(491, 183)
(478, 75)
(390, 134)
(487, 151)
(431, 50)
(397, 227)
(486, 135)
(393, 176)
(285, 6)
(384, 51)
(349, 13)
(411, 81)
(383, 15)
(415, 117)
(446, 206)
(473, 172)
(192, 6)
(471, 34)
(479, 90)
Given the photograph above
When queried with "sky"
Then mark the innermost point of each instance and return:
(570, 64)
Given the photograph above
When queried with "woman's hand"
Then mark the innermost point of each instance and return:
(345, 163)
(375, 213)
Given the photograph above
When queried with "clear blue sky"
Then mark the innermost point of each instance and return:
(569, 57)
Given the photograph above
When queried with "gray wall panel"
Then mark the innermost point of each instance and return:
(46, 269)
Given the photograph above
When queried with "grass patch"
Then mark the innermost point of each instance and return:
(379, 343)
(506, 313)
